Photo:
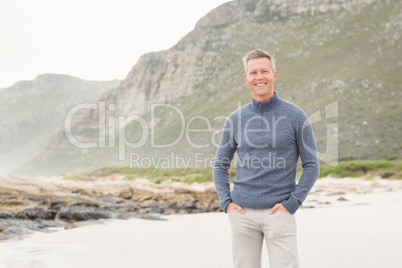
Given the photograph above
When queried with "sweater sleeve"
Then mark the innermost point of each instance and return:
(307, 149)
(224, 155)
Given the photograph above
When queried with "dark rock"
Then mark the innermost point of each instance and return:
(56, 203)
(200, 205)
(18, 227)
(83, 204)
(58, 206)
(162, 207)
(215, 207)
(37, 199)
(32, 214)
(6, 214)
(13, 197)
(51, 214)
(174, 206)
(78, 213)
(192, 205)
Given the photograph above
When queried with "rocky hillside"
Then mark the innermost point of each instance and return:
(345, 53)
(32, 111)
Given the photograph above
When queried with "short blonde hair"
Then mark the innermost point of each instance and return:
(258, 53)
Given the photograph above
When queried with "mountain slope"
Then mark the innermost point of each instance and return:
(345, 53)
(32, 111)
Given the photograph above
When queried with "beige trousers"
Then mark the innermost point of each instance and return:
(249, 231)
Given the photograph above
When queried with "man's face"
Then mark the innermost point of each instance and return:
(260, 78)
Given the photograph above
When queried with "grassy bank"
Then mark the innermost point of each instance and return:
(391, 169)
(358, 168)
(152, 174)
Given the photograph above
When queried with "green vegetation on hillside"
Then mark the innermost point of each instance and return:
(152, 174)
(356, 168)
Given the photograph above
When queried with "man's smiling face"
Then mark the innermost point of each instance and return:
(260, 78)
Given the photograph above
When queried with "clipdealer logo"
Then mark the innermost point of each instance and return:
(116, 124)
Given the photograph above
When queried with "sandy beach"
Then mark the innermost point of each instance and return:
(358, 228)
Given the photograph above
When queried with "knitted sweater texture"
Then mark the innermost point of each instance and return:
(268, 137)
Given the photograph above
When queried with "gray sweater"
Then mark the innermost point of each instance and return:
(269, 137)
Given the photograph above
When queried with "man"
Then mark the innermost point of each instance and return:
(268, 134)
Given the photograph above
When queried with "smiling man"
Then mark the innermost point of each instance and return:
(269, 135)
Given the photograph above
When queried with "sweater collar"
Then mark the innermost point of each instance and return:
(268, 105)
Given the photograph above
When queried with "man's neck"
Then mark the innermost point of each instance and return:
(264, 98)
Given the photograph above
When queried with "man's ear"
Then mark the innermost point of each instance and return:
(275, 74)
(245, 78)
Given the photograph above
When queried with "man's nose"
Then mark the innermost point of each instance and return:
(259, 75)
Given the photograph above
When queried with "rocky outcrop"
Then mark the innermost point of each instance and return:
(35, 203)
(234, 11)
(171, 75)
(160, 77)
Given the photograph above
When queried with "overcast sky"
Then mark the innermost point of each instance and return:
(92, 40)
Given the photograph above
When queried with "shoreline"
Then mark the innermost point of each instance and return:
(33, 203)
(29, 204)
(352, 235)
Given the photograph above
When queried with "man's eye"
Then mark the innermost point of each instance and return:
(252, 73)
(265, 71)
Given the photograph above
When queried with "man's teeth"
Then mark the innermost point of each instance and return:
(260, 84)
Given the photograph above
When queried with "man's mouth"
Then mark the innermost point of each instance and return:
(261, 84)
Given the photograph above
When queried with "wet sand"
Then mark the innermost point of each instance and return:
(364, 231)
